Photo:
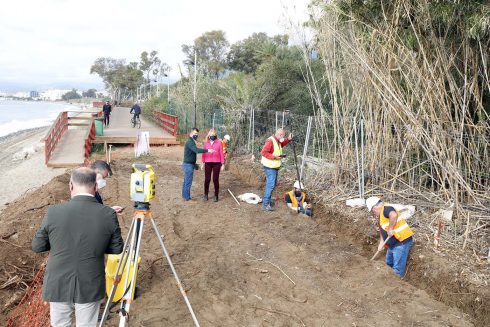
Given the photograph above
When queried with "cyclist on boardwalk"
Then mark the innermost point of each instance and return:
(136, 111)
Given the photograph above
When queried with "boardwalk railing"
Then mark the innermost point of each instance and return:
(59, 128)
(90, 136)
(169, 123)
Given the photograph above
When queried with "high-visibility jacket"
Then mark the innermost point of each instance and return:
(401, 231)
(276, 163)
(294, 200)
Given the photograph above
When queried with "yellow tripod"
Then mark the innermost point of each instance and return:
(129, 260)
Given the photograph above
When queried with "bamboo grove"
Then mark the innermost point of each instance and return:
(416, 73)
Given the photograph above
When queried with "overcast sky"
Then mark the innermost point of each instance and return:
(53, 43)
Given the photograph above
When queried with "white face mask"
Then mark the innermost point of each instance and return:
(281, 139)
(101, 183)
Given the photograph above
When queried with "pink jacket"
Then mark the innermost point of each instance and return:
(217, 156)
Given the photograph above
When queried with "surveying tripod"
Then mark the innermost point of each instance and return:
(129, 260)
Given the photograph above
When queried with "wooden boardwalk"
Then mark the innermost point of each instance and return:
(69, 152)
(71, 148)
(120, 130)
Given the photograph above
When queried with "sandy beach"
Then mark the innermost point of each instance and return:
(22, 166)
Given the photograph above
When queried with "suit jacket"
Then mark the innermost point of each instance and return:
(77, 234)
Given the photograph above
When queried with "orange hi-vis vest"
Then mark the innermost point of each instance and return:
(401, 231)
(294, 201)
(276, 163)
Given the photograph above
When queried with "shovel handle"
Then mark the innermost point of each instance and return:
(384, 243)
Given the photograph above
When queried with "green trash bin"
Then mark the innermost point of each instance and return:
(99, 126)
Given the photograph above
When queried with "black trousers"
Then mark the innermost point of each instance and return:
(106, 119)
(213, 168)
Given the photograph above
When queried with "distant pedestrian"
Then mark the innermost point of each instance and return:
(271, 160)
(395, 231)
(212, 163)
(189, 162)
(106, 109)
(77, 234)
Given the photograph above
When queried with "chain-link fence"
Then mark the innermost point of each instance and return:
(345, 151)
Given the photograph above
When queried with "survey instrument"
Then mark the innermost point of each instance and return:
(142, 189)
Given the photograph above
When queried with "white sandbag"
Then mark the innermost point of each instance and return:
(406, 210)
(250, 198)
(355, 203)
(445, 214)
(142, 145)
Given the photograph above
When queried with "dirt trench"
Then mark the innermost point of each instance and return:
(438, 271)
(240, 266)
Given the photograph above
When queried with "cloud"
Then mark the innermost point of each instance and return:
(56, 41)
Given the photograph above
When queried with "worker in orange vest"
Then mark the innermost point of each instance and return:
(224, 142)
(394, 233)
(296, 200)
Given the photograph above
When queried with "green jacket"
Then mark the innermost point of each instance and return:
(190, 151)
(77, 234)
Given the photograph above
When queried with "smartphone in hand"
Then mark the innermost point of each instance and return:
(118, 209)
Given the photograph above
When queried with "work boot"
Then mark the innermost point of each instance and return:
(205, 197)
(215, 198)
(268, 208)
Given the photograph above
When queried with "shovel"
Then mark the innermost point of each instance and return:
(295, 159)
(384, 243)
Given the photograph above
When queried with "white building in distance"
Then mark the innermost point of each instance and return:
(52, 95)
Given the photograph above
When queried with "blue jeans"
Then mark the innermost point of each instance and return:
(396, 257)
(270, 184)
(188, 170)
(304, 211)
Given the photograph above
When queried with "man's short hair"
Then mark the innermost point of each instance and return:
(101, 166)
(83, 177)
(195, 129)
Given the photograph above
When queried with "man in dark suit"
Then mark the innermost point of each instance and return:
(77, 234)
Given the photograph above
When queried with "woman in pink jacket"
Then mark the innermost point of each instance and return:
(212, 163)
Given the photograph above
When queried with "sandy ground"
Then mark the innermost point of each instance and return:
(239, 265)
(22, 167)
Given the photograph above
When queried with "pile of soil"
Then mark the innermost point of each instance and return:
(239, 265)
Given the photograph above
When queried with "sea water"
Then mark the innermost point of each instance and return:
(16, 116)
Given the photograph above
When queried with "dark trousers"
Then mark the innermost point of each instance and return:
(214, 168)
(106, 119)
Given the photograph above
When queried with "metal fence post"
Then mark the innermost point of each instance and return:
(357, 159)
(305, 149)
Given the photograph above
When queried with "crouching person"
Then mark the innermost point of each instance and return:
(296, 200)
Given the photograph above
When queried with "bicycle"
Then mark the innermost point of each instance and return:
(136, 122)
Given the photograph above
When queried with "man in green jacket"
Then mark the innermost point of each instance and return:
(77, 234)
(189, 162)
